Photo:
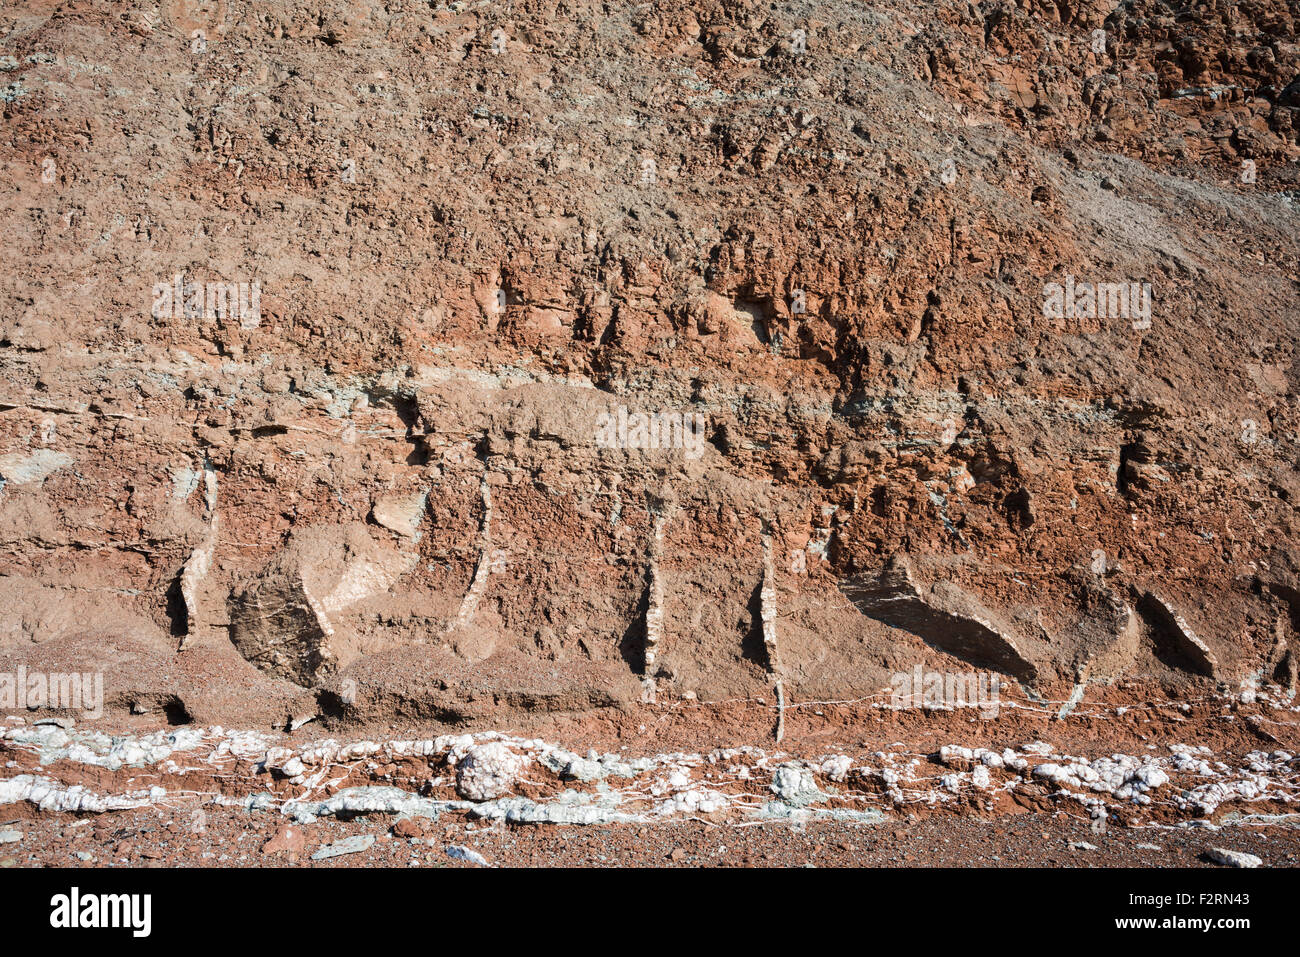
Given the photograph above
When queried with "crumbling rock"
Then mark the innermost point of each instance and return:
(942, 615)
(1109, 635)
(290, 620)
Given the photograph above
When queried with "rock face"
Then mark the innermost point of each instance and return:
(396, 360)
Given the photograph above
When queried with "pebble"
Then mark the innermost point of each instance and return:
(458, 853)
(406, 828)
(349, 845)
(286, 838)
(1221, 855)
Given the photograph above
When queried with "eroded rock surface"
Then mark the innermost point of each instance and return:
(452, 362)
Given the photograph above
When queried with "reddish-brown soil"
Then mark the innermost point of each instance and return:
(235, 839)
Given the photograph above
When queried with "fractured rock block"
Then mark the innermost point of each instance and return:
(1112, 658)
(943, 616)
(291, 620)
(1173, 634)
(400, 513)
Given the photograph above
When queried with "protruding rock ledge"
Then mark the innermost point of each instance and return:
(943, 616)
(1173, 634)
